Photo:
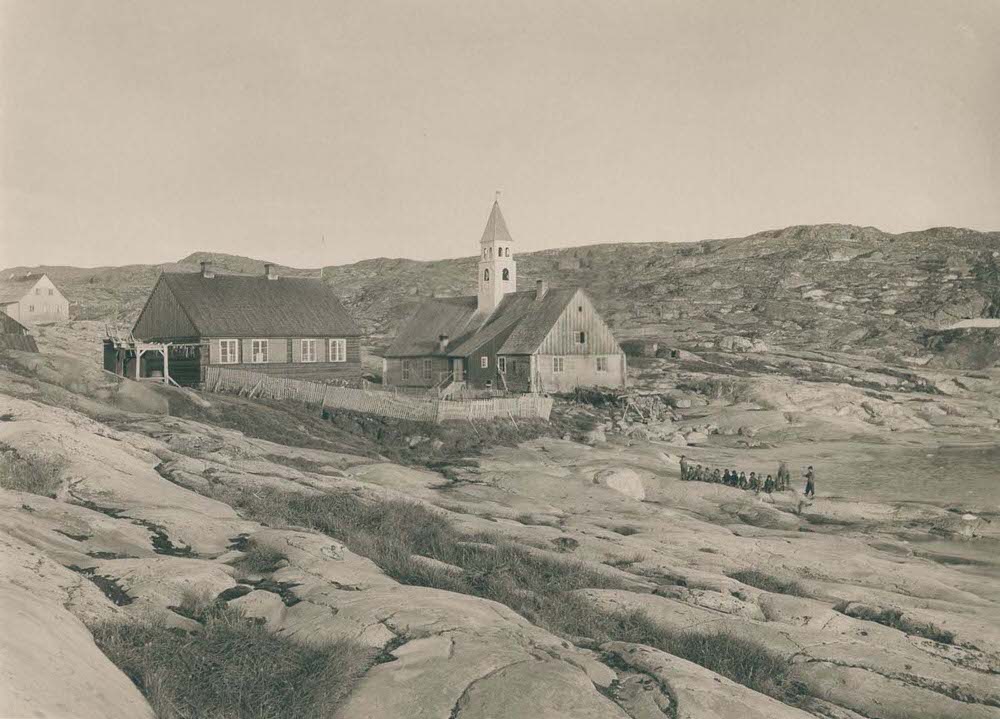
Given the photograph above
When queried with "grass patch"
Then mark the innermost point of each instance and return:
(625, 530)
(897, 620)
(232, 669)
(541, 588)
(768, 582)
(27, 474)
(258, 559)
(624, 562)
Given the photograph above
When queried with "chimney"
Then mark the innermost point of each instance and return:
(442, 342)
(270, 271)
(541, 287)
(207, 271)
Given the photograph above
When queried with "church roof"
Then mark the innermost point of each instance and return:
(496, 229)
(521, 321)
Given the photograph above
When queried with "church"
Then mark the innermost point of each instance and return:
(547, 339)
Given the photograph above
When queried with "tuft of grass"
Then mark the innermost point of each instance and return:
(626, 530)
(28, 474)
(232, 669)
(258, 559)
(539, 587)
(625, 562)
(768, 582)
(897, 620)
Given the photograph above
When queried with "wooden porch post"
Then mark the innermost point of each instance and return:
(138, 363)
(166, 365)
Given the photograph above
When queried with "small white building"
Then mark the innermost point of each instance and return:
(32, 298)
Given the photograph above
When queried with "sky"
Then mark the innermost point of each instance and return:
(317, 133)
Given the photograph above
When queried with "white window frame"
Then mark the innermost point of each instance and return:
(502, 364)
(558, 364)
(427, 371)
(309, 356)
(602, 364)
(484, 362)
(231, 353)
(262, 356)
(340, 353)
(405, 369)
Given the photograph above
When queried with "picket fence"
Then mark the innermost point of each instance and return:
(386, 404)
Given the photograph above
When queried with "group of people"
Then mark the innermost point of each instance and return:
(754, 483)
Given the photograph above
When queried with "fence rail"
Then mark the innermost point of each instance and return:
(379, 402)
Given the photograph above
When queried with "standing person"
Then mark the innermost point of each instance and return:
(784, 478)
(810, 482)
(684, 468)
(769, 484)
(716, 476)
(726, 478)
(754, 484)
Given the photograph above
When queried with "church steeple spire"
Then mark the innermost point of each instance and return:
(497, 268)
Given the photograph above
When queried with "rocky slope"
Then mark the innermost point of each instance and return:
(821, 287)
(877, 626)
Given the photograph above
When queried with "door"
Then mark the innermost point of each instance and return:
(458, 369)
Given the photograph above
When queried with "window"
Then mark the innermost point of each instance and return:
(558, 364)
(486, 275)
(50, 292)
(579, 308)
(228, 352)
(502, 364)
(31, 308)
(581, 338)
(38, 291)
(506, 252)
(484, 361)
(308, 350)
(506, 275)
(406, 369)
(338, 350)
(258, 351)
(428, 368)
(602, 364)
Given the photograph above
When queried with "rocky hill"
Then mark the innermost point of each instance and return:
(833, 287)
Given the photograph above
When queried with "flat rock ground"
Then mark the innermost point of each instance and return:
(134, 506)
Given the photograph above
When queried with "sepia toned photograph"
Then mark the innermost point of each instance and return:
(481, 359)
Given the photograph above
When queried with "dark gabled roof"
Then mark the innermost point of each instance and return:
(496, 229)
(254, 306)
(13, 288)
(10, 326)
(452, 316)
(537, 322)
(520, 315)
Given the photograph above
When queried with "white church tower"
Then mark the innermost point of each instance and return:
(497, 268)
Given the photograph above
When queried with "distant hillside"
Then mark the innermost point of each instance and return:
(820, 286)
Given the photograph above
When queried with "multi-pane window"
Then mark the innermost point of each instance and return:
(502, 364)
(338, 350)
(406, 369)
(308, 350)
(602, 364)
(581, 337)
(38, 291)
(50, 292)
(484, 361)
(428, 368)
(258, 351)
(228, 351)
(31, 308)
(558, 364)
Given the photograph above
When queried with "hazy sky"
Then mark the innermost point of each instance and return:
(326, 132)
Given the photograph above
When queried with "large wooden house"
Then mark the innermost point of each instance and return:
(541, 340)
(31, 298)
(286, 326)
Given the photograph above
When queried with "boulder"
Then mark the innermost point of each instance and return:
(623, 480)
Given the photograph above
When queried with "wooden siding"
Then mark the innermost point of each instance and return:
(579, 316)
(579, 371)
(476, 374)
(162, 318)
(39, 306)
(278, 364)
(394, 371)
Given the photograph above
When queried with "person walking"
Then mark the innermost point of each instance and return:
(810, 482)
(684, 468)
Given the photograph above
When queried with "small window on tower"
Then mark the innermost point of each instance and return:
(486, 275)
(506, 275)
(506, 252)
